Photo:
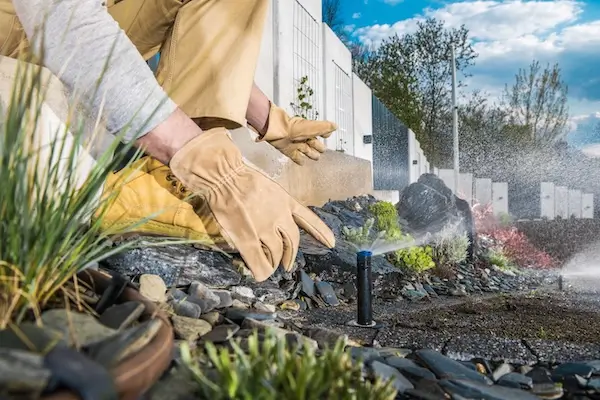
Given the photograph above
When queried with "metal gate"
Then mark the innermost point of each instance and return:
(390, 150)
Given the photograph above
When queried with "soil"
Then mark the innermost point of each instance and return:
(548, 316)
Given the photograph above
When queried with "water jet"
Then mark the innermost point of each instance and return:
(364, 287)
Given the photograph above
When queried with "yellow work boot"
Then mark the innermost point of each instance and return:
(140, 197)
(296, 137)
(165, 178)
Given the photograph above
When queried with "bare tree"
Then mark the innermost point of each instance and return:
(332, 15)
(537, 101)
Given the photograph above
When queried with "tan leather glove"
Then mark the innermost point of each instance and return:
(256, 215)
(296, 137)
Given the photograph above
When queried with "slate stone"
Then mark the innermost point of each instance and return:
(409, 368)
(221, 333)
(238, 315)
(37, 339)
(126, 343)
(469, 389)
(22, 372)
(516, 380)
(446, 368)
(567, 369)
(79, 329)
(385, 372)
(326, 291)
(73, 370)
(187, 309)
(225, 299)
(190, 329)
(308, 285)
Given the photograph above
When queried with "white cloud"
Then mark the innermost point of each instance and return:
(392, 2)
(356, 15)
(508, 34)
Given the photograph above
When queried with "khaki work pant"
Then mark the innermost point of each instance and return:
(208, 49)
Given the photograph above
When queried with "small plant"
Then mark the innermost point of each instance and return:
(360, 236)
(302, 106)
(386, 217)
(497, 258)
(272, 369)
(417, 259)
(450, 247)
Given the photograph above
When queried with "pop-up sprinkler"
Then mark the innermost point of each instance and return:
(364, 286)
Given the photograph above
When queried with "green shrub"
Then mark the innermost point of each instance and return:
(386, 217)
(361, 236)
(499, 259)
(272, 369)
(416, 259)
(450, 248)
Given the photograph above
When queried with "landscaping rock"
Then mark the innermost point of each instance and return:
(187, 309)
(22, 373)
(122, 316)
(190, 329)
(77, 328)
(153, 288)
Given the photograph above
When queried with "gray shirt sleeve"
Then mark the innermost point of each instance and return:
(85, 47)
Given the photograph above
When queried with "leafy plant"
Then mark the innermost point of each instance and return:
(46, 205)
(417, 259)
(302, 106)
(497, 258)
(450, 247)
(360, 236)
(386, 217)
(517, 248)
(272, 369)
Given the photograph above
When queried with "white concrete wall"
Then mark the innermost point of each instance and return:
(393, 196)
(483, 191)
(298, 48)
(547, 200)
(337, 75)
(574, 203)
(363, 118)
(265, 68)
(561, 202)
(465, 189)
(447, 175)
(587, 205)
(413, 169)
(500, 197)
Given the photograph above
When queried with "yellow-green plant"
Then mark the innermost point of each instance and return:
(498, 258)
(272, 369)
(361, 236)
(414, 258)
(46, 231)
(302, 106)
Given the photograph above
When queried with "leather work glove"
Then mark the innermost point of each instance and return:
(296, 137)
(255, 214)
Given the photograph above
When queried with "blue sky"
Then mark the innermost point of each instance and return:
(507, 35)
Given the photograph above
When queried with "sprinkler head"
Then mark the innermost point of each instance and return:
(364, 286)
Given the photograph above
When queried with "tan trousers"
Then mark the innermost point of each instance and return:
(209, 49)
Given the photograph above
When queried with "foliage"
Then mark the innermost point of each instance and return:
(417, 259)
(46, 207)
(387, 217)
(271, 369)
(411, 75)
(361, 236)
(449, 247)
(497, 258)
(519, 249)
(538, 102)
(302, 106)
(332, 16)
(413, 258)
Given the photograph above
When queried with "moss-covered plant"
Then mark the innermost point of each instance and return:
(413, 258)
(272, 369)
(302, 106)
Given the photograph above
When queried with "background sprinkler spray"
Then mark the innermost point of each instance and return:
(364, 285)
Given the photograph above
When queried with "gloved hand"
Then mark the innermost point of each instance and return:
(296, 137)
(255, 214)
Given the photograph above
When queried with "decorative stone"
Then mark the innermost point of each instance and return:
(22, 373)
(79, 329)
(265, 307)
(213, 318)
(221, 333)
(153, 288)
(190, 329)
(175, 294)
(239, 315)
(446, 368)
(409, 368)
(385, 372)
(307, 284)
(293, 305)
(242, 293)
(116, 348)
(516, 380)
(239, 304)
(225, 299)
(38, 339)
(123, 315)
(187, 309)
(325, 337)
(327, 293)
(201, 291)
